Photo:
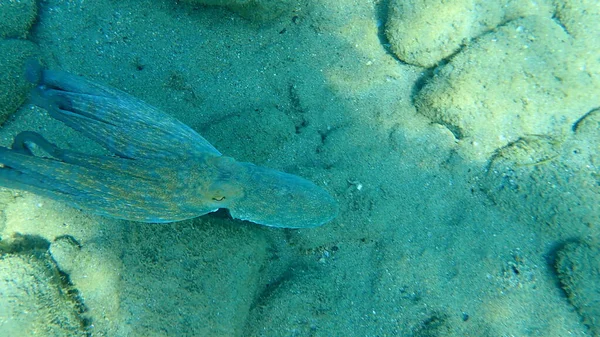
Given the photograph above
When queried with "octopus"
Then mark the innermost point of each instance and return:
(158, 170)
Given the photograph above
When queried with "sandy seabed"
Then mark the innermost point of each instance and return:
(461, 140)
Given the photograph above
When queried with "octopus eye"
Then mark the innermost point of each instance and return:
(221, 198)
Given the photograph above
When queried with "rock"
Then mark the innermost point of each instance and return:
(14, 87)
(581, 18)
(16, 17)
(551, 183)
(424, 32)
(95, 270)
(66, 252)
(578, 268)
(34, 300)
(526, 78)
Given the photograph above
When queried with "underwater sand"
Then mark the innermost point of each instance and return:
(434, 236)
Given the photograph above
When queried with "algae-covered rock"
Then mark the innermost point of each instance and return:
(552, 183)
(95, 270)
(578, 268)
(423, 32)
(526, 78)
(14, 88)
(581, 18)
(34, 300)
(257, 10)
(83, 248)
(16, 17)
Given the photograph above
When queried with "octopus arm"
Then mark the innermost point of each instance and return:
(121, 123)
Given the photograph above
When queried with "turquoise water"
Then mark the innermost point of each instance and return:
(468, 188)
